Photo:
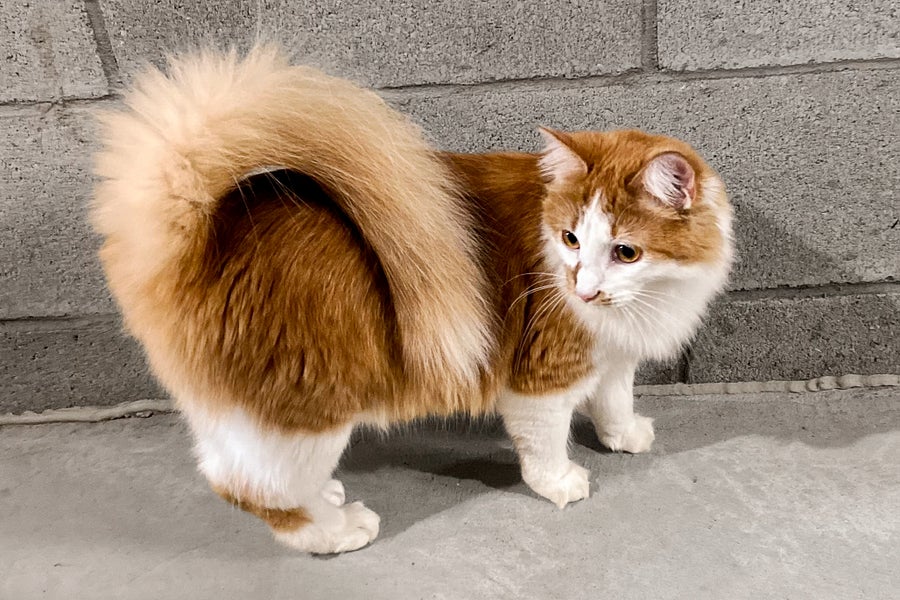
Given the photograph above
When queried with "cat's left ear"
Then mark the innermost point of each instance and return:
(559, 162)
(670, 179)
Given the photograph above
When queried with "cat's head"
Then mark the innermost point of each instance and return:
(636, 224)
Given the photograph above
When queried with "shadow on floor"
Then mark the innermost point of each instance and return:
(444, 465)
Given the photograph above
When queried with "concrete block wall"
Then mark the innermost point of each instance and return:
(796, 103)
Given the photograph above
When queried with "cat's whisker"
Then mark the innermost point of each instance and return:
(657, 297)
(628, 316)
(655, 303)
(550, 305)
(544, 309)
(661, 295)
(657, 318)
(528, 292)
(535, 273)
(638, 322)
(656, 309)
(635, 322)
(657, 315)
(538, 286)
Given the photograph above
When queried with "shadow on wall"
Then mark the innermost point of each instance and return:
(793, 335)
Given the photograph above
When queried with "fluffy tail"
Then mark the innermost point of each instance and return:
(188, 136)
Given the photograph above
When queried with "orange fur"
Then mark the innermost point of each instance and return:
(362, 278)
(278, 519)
(187, 140)
(615, 161)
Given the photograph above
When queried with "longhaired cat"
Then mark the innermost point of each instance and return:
(297, 262)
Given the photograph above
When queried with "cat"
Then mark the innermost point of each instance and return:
(297, 261)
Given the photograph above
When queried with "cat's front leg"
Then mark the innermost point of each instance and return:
(539, 427)
(611, 408)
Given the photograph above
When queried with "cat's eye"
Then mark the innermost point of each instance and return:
(627, 254)
(570, 240)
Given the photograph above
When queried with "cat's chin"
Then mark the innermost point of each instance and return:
(592, 314)
(643, 329)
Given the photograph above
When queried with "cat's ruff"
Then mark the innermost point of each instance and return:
(297, 261)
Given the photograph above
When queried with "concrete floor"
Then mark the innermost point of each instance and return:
(763, 496)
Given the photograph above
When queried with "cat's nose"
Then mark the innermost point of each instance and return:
(588, 296)
(588, 283)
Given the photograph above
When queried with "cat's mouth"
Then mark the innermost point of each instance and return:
(601, 298)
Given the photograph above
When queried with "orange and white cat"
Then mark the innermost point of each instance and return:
(297, 262)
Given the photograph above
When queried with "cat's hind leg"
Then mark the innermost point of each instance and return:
(284, 479)
(611, 408)
(539, 427)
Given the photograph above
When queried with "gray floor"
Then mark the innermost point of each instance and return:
(765, 496)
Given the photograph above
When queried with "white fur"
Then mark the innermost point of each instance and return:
(714, 188)
(611, 408)
(594, 232)
(351, 527)
(539, 427)
(656, 304)
(655, 312)
(656, 307)
(282, 471)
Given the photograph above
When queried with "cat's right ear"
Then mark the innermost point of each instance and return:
(558, 161)
(671, 180)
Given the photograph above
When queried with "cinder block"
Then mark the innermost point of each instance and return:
(658, 373)
(389, 43)
(48, 262)
(48, 52)
(800, 338)
(56, 364)
(712, 34)
(812, 162)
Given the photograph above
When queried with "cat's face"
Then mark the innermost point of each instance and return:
(634, 223)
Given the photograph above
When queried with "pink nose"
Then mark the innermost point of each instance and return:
(588, 296)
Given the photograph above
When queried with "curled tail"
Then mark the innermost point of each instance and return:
(189, 136)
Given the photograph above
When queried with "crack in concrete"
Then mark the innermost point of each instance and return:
(103, 42)
(633, 77)
(650, 41)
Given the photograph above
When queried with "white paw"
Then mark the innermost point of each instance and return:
(636, 438)
(570, 485)
(358, 526)
(361, 528)
(333, 492)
